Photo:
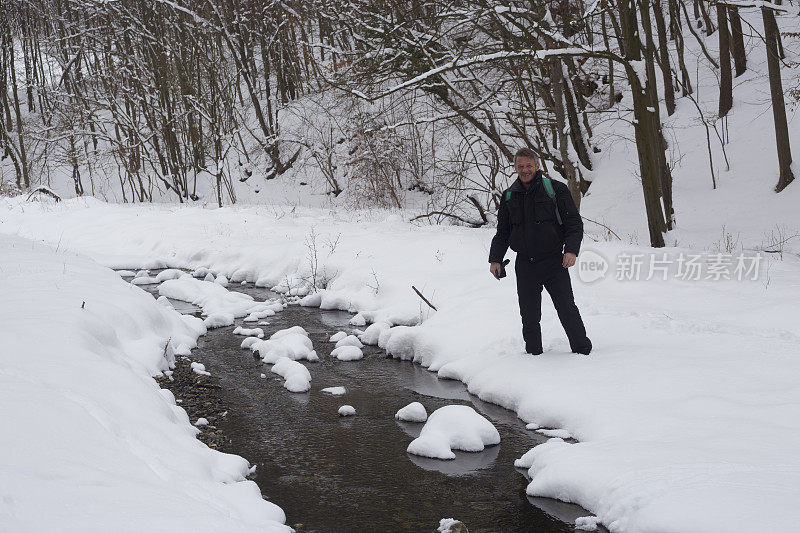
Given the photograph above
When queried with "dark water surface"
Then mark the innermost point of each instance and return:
(353, 474)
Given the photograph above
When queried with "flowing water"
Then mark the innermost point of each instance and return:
(330, 473)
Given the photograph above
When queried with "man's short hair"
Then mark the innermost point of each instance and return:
(526, 152)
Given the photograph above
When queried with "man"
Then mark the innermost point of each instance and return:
(546, 232)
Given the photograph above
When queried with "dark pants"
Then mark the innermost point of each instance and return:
(550, 274)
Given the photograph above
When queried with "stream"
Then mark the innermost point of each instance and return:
(332, 473)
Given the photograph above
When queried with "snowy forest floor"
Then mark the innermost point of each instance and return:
(687, 413)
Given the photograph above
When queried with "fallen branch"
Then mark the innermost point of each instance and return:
(423, 298)
(44, 190)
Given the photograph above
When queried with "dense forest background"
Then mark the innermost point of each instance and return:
(391, 102)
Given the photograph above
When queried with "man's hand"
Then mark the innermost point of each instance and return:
(495, 268)
(569, 260)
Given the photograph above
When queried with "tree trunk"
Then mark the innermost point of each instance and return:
(778, 104)
(725, 75)
(737, 41)
(558, 88)
(666, 71)
(686, 82)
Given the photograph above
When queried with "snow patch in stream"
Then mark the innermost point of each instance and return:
(297, 377)
(413, 412)
(454, 427)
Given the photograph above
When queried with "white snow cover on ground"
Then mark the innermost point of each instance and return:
(292, 343)
(298, 378)
(454, 427)
(90, 442)
(336, 391)
(672, 407)
(347, 410)
(347, 353)
(413, 412)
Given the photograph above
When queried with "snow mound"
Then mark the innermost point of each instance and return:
(126, 273)
(292, 343)
(558, 433)
(586, 523)
(297, 377)
(454, 427)
(254, 332)
(413, 412)
(210, 297)
(336, 337)
(294, 330)
(373, 332)
(199, 368)
(201, 422)
(222, 281)
(451, 525)
(219, 320)
(347, 410)
(347, 353)
(144, 280)
(201, 272)
(350, 340)
(249, 342)
(336, 391)
(358, 320)
(312, 300)
(170, 273)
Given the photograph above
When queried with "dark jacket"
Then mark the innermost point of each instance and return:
(527, 222)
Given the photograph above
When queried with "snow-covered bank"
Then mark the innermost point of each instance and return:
(687, 412)
(90, 442)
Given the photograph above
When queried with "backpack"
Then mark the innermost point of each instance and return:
(548, 187)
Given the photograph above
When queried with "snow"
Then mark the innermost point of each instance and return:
(347, 410)
(451, 525)
(292, 343)
(373, 332)
(687, 377)
(89, 435)
(454, 427)
(257, 332)
(347, 353)
(144, 280)
(298, 378)
(249, 342)
(336, 391)
(201, 422)
(350, 340)
(170, 273)
(126, 273)
(336, 337)
(219, 320)
(559, 433)
(586, 523)
(413, 412)
(358, 320)
(199, 368)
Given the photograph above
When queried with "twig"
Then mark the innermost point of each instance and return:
(423, 298)
(599, 224)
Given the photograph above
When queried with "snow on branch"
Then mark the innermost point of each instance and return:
(757, 4)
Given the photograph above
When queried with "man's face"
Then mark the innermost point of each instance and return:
(526, 167)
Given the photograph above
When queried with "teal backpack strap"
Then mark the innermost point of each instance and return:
(548, 187)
